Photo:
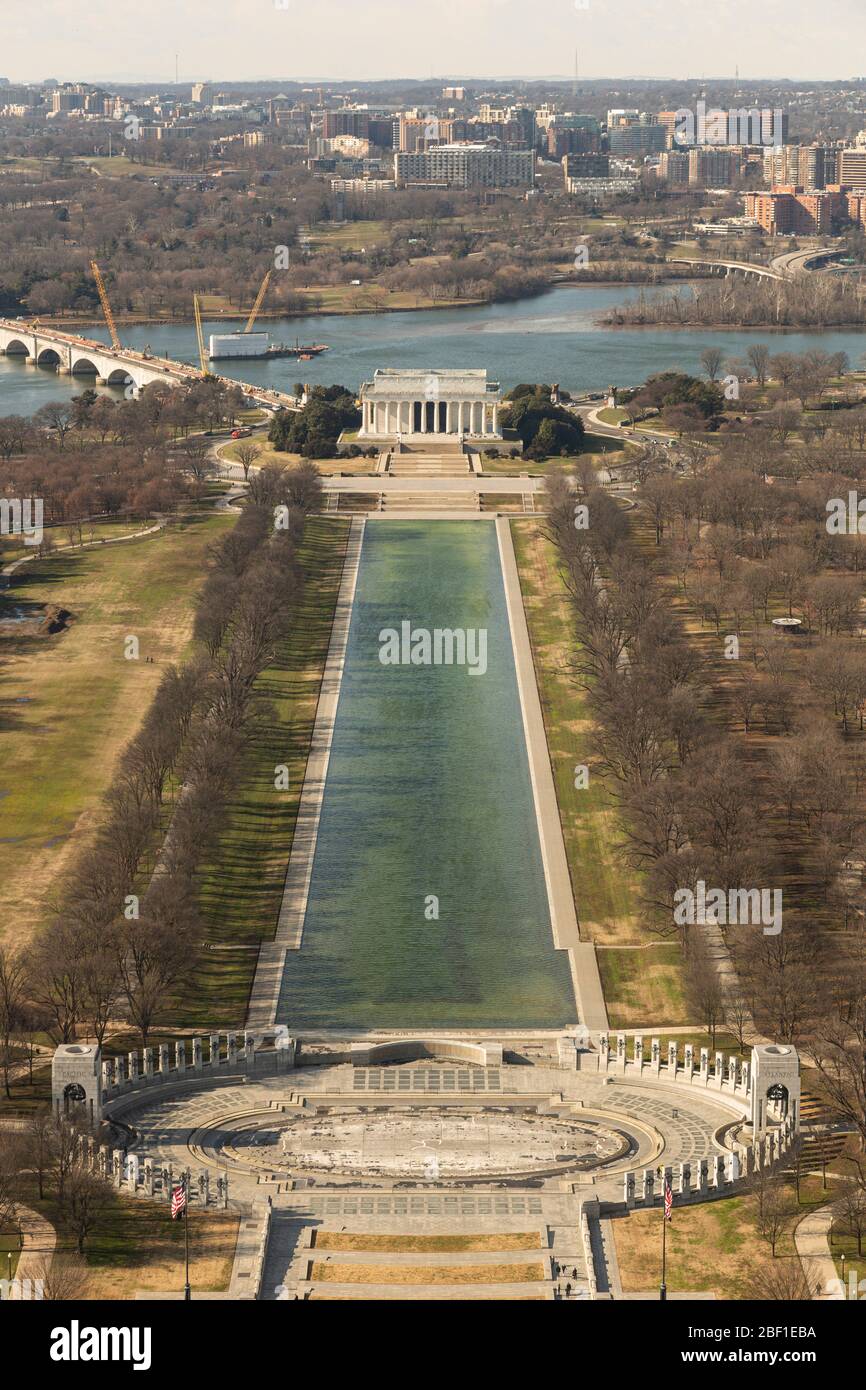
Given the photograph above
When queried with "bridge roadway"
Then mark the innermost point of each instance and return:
(73, 355)
(758, 272)
(780, 268)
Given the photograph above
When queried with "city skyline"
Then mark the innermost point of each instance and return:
(469, 39)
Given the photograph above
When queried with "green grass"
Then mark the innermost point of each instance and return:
(242, 881)
(643, 985)
(72, 701)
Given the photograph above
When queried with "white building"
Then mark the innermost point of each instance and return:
(450, 401)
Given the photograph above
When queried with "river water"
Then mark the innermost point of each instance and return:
(552, 337)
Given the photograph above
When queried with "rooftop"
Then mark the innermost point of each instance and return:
(456, 381)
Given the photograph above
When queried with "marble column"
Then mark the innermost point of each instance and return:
(496, 419)
(423, 417)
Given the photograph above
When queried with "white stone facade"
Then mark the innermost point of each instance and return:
(444, 402)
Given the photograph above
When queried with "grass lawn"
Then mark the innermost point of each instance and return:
(72, 701)
(712, 1247)
(8, 1254)
(137, 1246)
(285, 460)
(334, 1273)
(352, 236)
(59, 537)
(643, 985)
(243, 881)
(343, 1240)
(120, 166)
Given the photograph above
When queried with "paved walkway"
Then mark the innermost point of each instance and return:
(566, 930)
(40, 1239)
(813, 1247)
(9, 570)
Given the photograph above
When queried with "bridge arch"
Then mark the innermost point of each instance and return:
(48, 357)
(16, 348)
(121, 376)
(83, 366)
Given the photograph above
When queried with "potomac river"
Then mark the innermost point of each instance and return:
(553, 337)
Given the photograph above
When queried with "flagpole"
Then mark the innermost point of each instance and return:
(187, 1294)
(663, 1288)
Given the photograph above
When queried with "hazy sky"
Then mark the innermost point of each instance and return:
(136, 40)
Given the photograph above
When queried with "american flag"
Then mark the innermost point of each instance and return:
(669, 1201)
(178, 1201)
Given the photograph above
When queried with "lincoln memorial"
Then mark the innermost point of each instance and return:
(405, 404)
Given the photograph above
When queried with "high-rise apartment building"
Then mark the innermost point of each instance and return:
(466, 166)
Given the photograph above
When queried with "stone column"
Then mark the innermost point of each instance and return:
(163, 1061)
(133, 1067)
(180, 1055)
(423, 416)
(620, 1050)
(638, 1053)
(719, 1070)
(648, 1187)
(196, 1054)
(628, 1189)
(121, 1071)
(705, 1064)
(231, 1048)
(732, 1167)
(702, 1177)
(689, 1062)
(214, 1054)
(148, 1064)
(656, 1056)
(672, 1058)
(685, 1179)
(496, 419)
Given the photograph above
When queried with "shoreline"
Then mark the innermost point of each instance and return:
(275, 316)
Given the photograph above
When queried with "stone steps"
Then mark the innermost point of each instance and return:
(430, 501)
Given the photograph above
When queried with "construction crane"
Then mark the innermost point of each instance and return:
(106, 306)
(260, 299)
(202, 352)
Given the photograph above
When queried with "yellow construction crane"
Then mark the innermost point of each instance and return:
(106, 306)
(260, 299)
(202, 352)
